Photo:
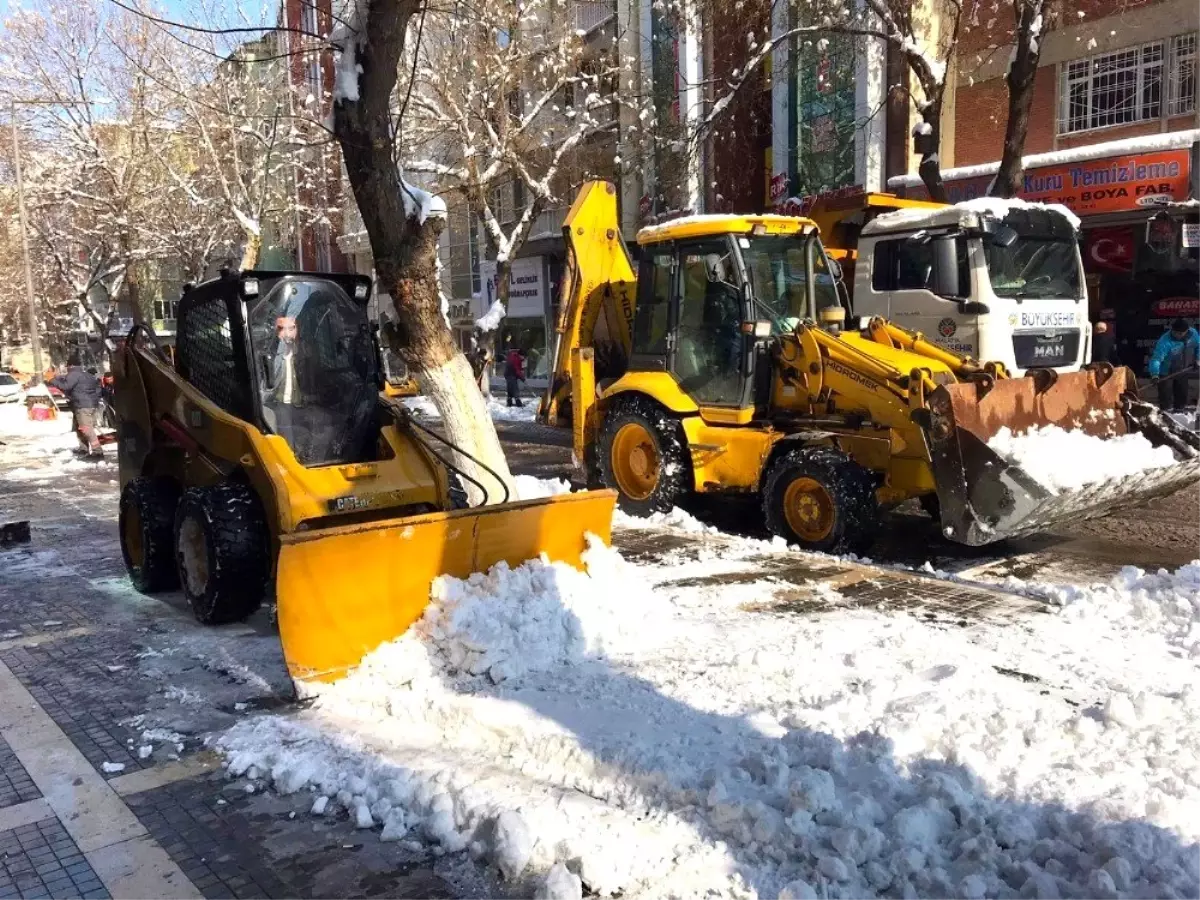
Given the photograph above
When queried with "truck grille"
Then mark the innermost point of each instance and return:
(1047, 349)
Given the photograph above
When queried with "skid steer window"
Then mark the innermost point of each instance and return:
(317, 371)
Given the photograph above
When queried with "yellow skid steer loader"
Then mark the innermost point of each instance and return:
(268, 457)
(725, 366)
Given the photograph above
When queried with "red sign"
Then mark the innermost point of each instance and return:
(1176, 307)
(779, 186)
(1111, 184)
(1110, 249)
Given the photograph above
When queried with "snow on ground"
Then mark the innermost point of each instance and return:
(500, 412)
(1067, 460)
(640, 728)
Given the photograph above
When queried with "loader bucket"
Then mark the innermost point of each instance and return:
(343, 591)
(985, 498)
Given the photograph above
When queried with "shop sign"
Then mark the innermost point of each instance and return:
(1175, 308)
(1110, 249)
(1110, 184)
(1191, 234)
(526, 287)
(779, 186)
(458, 309)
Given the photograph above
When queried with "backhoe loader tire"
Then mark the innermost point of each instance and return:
(657, 469)
(222, 550)
(147, 526)
(820, 499)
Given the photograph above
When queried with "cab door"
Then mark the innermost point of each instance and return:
(708, 349)
(926, 281)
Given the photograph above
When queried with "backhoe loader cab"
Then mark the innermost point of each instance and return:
(269, 459)
(729, 365)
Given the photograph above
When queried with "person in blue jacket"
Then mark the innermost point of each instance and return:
(1175, 352)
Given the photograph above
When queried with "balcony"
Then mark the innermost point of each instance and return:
(588, 15)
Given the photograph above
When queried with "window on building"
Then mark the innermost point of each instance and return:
(1181, 94)
(165, 309)
(1127, 85)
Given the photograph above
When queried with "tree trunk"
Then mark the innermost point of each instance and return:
(405, 249)
(251, 252)
(1020, 78)
(930, 166)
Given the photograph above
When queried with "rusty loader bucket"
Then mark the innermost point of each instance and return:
(986, 498)
(343, 591)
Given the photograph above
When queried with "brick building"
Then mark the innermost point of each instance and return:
(1114, 134)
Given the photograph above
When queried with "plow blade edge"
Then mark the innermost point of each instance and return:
(985, 498)
(343, 591)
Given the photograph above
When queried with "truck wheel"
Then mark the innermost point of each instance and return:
(643, 456)
(147, 525)
(821, 499)
(221, 549)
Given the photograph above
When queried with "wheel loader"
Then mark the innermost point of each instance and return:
(725, 365)
(268, 459)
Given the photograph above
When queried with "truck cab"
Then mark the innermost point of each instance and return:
(994, 280)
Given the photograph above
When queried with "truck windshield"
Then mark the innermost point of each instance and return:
(778, 270)
(1033, 267)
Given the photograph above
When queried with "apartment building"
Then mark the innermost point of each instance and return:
(1114, 135)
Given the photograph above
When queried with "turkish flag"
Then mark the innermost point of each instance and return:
(1109, 249)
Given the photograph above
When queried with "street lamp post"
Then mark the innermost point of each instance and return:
(34, 337)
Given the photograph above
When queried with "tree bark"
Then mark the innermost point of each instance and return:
(405, 250)
(1020, 79)
(930, 168)
(251, 251)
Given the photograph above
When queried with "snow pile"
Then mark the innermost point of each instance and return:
(1001, 207)
(1067, 460)
(490, 320)
(530, 488)
(497, 409)
(1161, 602)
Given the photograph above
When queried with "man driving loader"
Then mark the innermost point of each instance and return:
(285, 399)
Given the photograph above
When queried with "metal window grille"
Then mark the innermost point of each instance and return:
(1181, 94)
(207, 360)
(1112, 89)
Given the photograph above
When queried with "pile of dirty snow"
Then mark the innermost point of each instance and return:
(497, 409)
(641, 730)
(1067, 460)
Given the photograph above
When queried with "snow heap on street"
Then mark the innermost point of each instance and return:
(497, 409)
(638, 730)
(1067, 460)
(44, 447)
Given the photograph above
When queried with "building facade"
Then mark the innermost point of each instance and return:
(1114, 135)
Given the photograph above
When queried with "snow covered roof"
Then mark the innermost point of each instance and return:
(1173, 140)
(967, 212)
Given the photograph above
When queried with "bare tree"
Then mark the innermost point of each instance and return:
(403, 224)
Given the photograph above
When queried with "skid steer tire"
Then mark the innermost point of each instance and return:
(147, 527)
(820, 499)
(221, 548)
(653, 469)
(932, 506)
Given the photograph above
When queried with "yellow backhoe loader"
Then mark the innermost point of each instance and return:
(723, 366)
(268, 457)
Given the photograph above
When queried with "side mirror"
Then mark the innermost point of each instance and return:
(998, 233)
(945, 267)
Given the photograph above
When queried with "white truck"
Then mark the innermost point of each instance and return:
(998, 280)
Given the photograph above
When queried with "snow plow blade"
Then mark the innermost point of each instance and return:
(345, 590)
(985, 498)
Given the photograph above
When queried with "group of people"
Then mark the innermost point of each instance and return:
(480, 358)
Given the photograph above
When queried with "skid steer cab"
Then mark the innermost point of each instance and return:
(724, 365)
(267, 459)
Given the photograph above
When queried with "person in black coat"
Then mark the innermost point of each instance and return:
(82, 390)
(1104, 344)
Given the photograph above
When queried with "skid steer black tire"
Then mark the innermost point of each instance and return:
(146, 523)
(843, 492)
(932, 506)
(674, 469)
(222, 551)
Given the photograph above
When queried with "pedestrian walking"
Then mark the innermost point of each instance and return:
(82, 390)
(514, 374)
(1104, 344)
(1174, 355)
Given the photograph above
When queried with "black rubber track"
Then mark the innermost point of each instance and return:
(856, 510)
(235, 533)
(155, 498)
(675, 477)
